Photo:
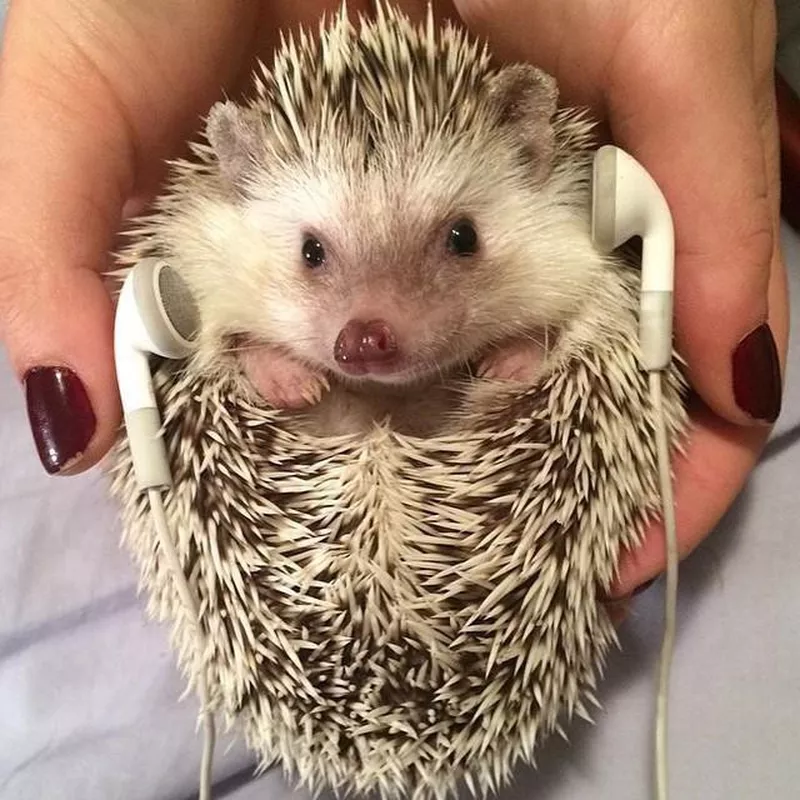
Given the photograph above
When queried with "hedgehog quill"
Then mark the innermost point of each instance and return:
(410, 446)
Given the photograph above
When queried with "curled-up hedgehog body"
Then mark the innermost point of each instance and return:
(414, 438)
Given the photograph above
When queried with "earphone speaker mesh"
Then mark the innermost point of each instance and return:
(179, 304)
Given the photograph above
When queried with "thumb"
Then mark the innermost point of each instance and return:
(680, 98)
(66, 166)
(695, 125)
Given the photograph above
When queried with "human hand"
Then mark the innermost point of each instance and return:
(680, 87)
(688, 90)
(94, 96)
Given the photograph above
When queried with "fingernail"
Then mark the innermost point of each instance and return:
(60, 415)
(757, 375)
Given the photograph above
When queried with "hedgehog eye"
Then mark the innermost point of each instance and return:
(462, 239)
(313, 252)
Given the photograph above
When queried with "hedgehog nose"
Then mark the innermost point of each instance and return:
(361, 345)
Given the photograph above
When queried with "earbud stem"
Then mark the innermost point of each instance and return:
(139, 405)
(148, 451)
(655, 330)
(142, 419)
(627, 202)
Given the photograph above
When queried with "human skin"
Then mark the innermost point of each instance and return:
(95, 95)
(688, 89)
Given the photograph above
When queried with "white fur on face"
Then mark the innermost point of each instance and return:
(384, 230)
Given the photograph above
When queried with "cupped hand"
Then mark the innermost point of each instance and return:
(688, 89)
(94, 96)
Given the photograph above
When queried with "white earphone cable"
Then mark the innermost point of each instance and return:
(191, 607)
(670, 603)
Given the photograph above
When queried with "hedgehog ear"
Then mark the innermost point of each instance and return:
(233, 133)
(525, 99)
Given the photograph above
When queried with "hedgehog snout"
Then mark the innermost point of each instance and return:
(364, 346)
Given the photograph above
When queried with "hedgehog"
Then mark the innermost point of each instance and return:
(414, 437)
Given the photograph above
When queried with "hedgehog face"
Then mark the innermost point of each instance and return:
(397, 271)
(386, 235)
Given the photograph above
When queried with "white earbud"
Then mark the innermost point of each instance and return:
(156, 315)
(627, 202)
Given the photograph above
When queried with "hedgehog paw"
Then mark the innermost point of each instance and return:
(281, 380)
(520, 361)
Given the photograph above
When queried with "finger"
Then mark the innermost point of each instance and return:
(680, 98)
(720, 456)
(714, 468)
(712, 471)
(93, 97)
(718, 459)
(67, 167)
(723, 220)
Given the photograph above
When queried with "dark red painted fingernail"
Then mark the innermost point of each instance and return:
(60, 415)
(757, 375)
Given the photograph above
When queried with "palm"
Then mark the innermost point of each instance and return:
(186, 55)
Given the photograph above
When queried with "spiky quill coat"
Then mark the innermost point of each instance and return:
(387, 612)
